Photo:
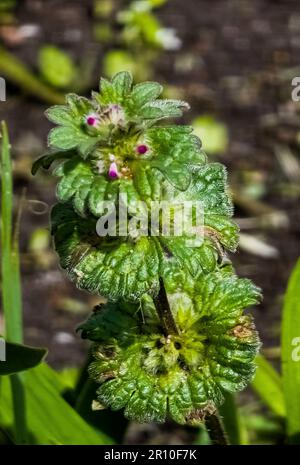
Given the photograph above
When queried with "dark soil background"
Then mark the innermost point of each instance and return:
(237, 61)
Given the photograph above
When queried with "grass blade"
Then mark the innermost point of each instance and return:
(290, 349)
(233, 422)
(268, 385)
(11, 306)
(11, 286)
(51, 420)
(20, 358)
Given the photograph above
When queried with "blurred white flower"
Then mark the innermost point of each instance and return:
(168, 38)
(61, 337)
(141, 6)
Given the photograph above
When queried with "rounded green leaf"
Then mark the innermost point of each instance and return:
(181, 376)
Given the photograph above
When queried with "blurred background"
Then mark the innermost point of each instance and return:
(233, 61)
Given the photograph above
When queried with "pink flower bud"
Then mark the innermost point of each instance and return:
(92, 119)
(141, 149)
(113, 171)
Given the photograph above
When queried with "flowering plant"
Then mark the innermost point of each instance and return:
(172, 336)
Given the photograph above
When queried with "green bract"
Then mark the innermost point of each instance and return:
(173, 335)
(154, 376)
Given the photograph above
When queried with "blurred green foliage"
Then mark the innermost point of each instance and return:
(117, 60)
(7, 11)
(212, 133)
(56, 67)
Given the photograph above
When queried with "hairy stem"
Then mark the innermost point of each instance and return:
(216, 431)
(163, 310)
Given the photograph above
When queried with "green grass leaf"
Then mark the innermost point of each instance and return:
(290, 344)
(268, 385)
(233, 421)
(11, 284)
(11, 293)
(20, 357)
(51, 420)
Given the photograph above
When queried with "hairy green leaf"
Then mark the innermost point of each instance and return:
(182, 376)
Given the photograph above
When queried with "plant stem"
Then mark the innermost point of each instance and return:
(83, 376)
(163, 310)
(19, 404)
(11, 286)
(216, 431)
(81, 404)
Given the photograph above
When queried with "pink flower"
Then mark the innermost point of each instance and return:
(141, 149)
(115, 114)
(113, 171)
(92, 119)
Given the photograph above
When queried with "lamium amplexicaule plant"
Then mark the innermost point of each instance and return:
(173, 335)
